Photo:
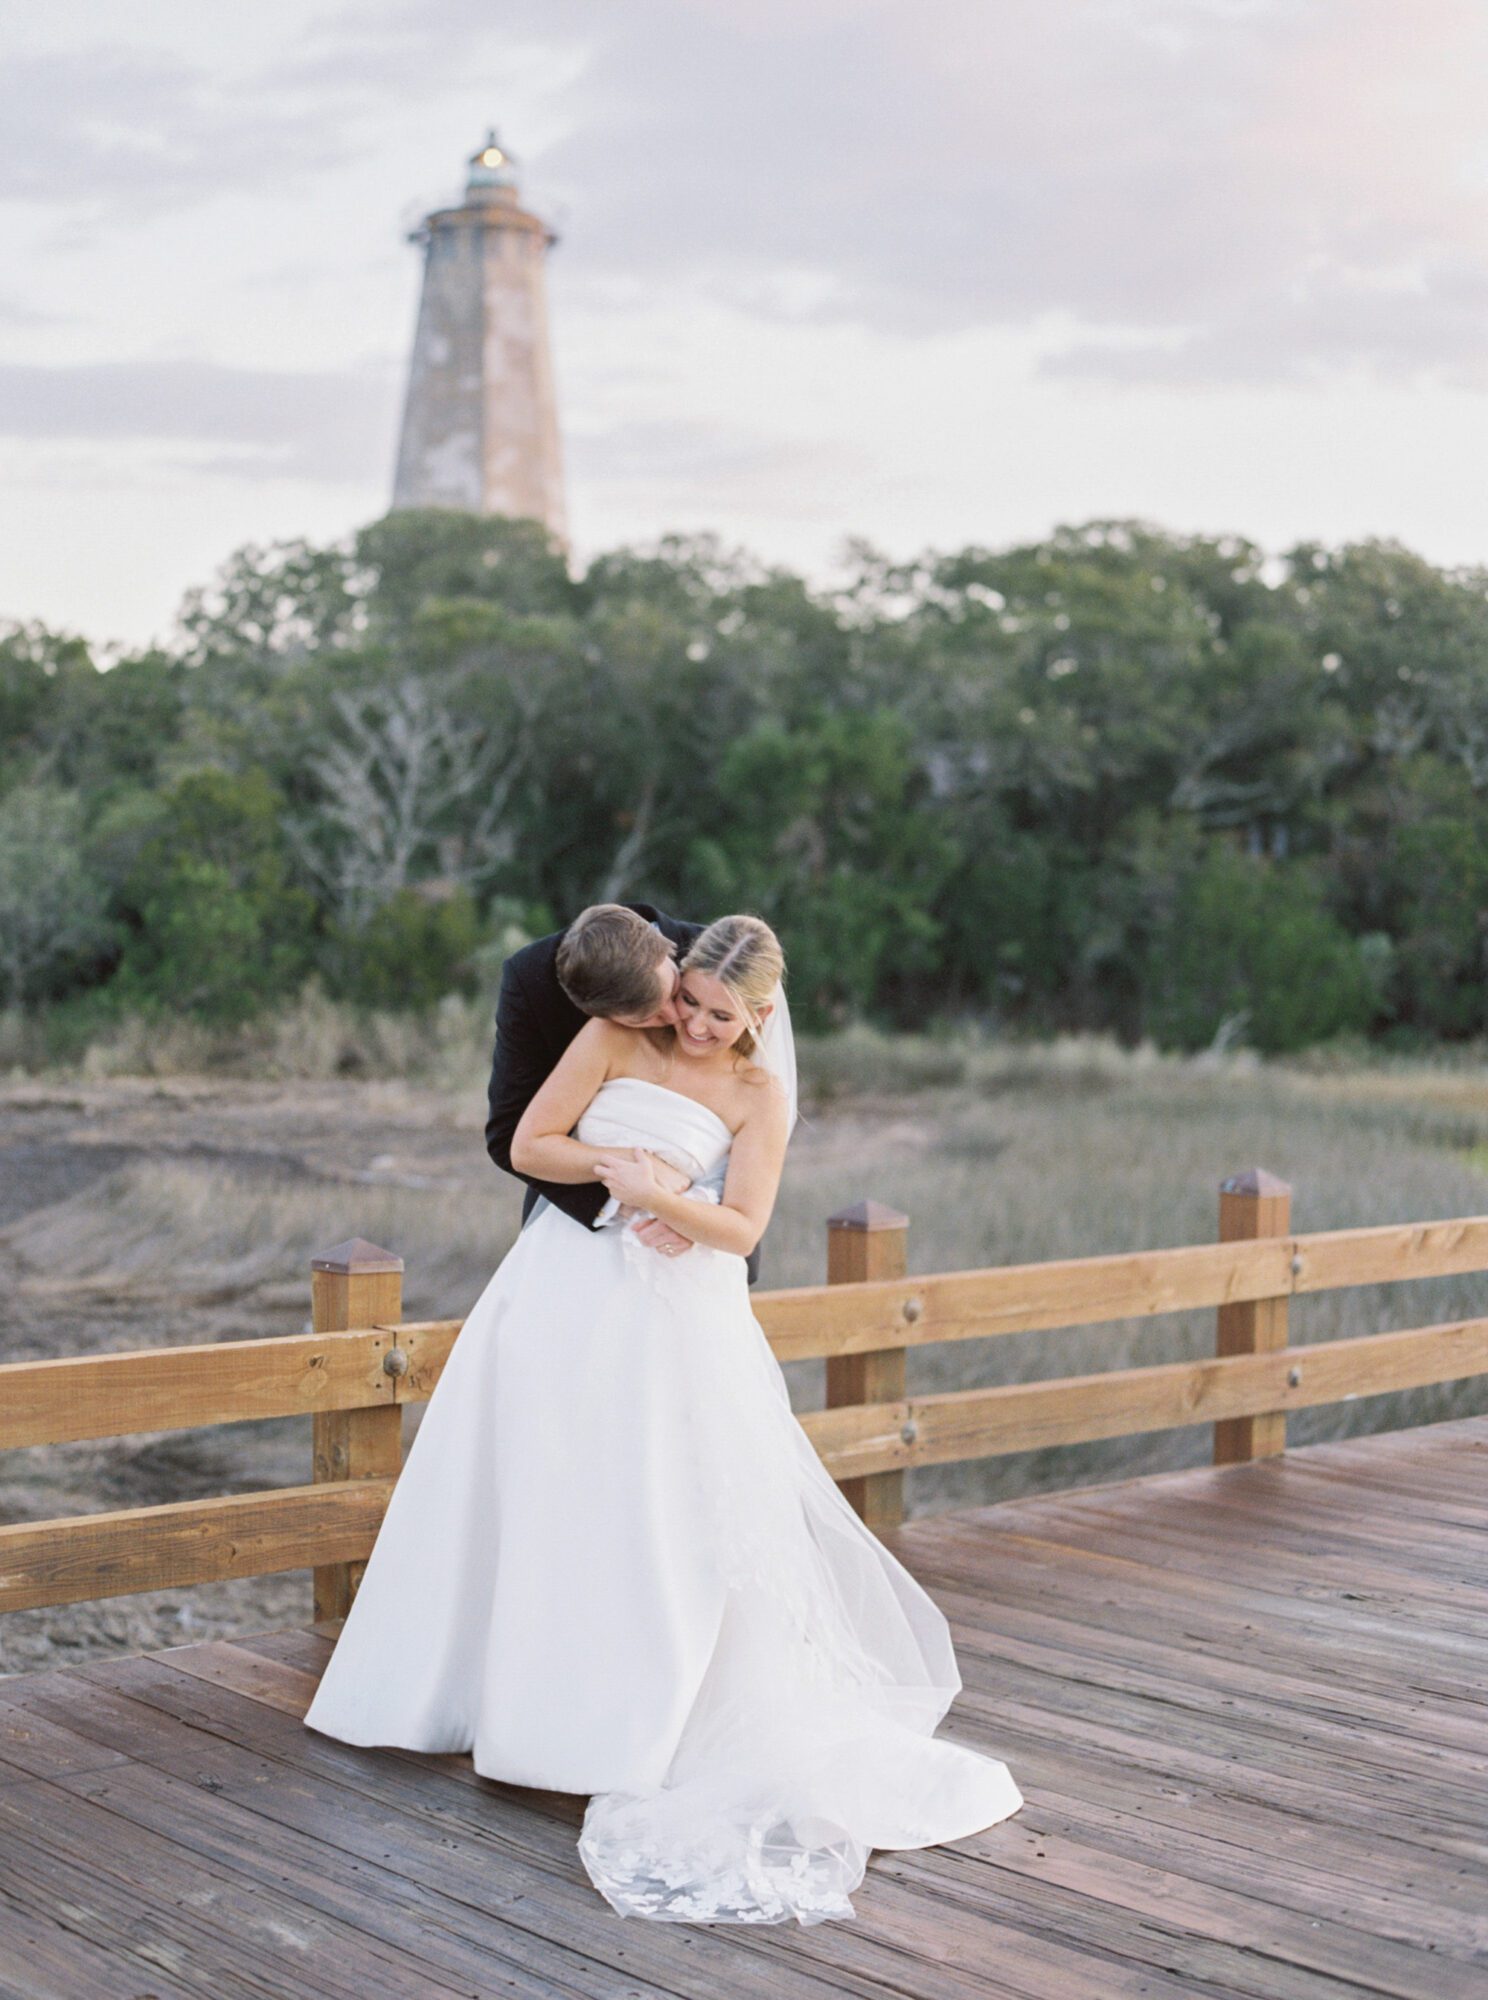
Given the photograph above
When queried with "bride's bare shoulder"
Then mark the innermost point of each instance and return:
(624, 1051)
(762, 1094)
(606, 1041)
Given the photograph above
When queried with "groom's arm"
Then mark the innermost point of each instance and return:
(519, 1068)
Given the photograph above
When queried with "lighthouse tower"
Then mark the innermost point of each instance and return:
(480, 422)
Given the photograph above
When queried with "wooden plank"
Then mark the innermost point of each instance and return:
(232, 1663)
(1092, 1291)
(189, 1541)
(1351, 1582)
(1019, 1298)
(44, 1958)
(1217, 1667)
(218, 1382)
(1282, 1837)
(1374, 1597)
(1390, 1253)
(1271, 1860)
(152, 1901)
(1023, 1732)
(877, 1865)
(956, 1424)
(1157, 1915)
(1284, 1857)
(1408, 1544)
(446, 1946)
(1413, 1492)
(1113, 1588)
(1456, 1764)
(176, 1388)
(1261, 1731)
(31, 1747)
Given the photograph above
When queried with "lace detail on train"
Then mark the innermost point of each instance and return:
(741, 1870)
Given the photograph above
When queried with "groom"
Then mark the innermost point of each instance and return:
(617, 961)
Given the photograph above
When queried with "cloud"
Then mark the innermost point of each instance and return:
(1331, 322)
(796, 479)
(1212, 190)
(112, 131)
(252, 422)
(20, 313)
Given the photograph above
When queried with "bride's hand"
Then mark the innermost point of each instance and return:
(632, 1181)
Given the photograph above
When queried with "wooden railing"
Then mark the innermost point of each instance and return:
(353, 1373)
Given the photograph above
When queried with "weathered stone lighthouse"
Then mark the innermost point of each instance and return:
(480, 422)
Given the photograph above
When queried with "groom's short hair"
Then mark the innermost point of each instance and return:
(608, 960)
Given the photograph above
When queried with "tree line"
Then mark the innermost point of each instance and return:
(1118, 779)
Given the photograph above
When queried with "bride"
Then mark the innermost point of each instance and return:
(613, 1563)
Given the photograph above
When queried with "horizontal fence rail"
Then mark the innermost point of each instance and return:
(225, 1382)
(1076, 1409)
(807, 1323)
(189, 1541)
(362, 1363)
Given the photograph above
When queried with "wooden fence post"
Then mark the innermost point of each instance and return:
(863, 1242)
(354, 1284)
(1252, 1204)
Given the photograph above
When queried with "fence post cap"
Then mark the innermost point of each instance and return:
(1255, 1180)
(355, 1257)
(868, 1215)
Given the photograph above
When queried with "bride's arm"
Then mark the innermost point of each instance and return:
(540, 1145)
(738, 1222)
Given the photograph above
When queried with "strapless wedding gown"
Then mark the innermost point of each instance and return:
(613, 1564)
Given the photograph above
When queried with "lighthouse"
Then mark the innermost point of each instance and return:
(480, 420)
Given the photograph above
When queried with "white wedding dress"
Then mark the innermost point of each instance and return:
(613, 1564)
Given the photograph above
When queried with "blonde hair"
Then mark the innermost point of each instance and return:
(743, 954)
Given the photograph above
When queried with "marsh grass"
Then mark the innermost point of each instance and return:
(212, 1233)
(312, 1037)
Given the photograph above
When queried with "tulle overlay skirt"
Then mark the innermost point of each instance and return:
(614, 1565)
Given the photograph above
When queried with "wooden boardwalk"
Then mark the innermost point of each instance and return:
(1247, 1706)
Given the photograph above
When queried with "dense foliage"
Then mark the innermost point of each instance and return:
(1119, 779)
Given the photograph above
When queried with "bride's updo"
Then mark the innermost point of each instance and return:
(743, 954)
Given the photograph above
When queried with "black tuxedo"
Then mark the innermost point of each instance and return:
(535, 1022)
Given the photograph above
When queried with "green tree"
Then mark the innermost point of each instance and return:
(53, 917)
(420, 945)
(821, 828)
(1246, 946)
(216, 926)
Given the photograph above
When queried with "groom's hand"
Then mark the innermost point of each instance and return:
(659, 1235)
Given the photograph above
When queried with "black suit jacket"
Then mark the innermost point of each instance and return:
(535, 1022)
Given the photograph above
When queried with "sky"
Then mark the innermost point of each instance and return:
(928, 276)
